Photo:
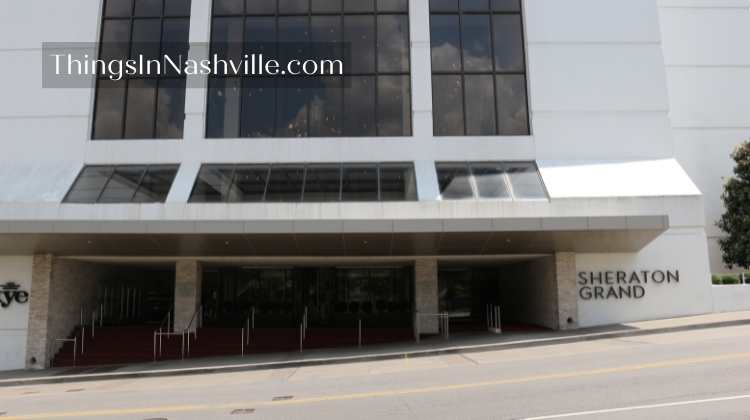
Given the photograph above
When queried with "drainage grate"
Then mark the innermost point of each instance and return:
(75, 390)
(157, 418)
(241, 411)
(283, 398)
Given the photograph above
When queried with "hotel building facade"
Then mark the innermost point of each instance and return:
(559, 160)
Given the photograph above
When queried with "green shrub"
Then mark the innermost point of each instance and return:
(730, 280)
(715, 279)
(747, 277)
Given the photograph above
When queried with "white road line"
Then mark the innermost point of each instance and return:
(640, 407)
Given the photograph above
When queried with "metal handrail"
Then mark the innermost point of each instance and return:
(198, 314)
(167, 319)
(74, 340)
(443, 323)
(494, 319)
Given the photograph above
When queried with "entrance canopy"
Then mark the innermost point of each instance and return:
(351, 238)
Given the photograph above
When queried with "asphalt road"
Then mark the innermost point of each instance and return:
(701, 374)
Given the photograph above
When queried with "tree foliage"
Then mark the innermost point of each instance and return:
(735, 222)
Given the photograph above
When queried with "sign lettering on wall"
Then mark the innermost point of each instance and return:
(618, 285)
(10, 293)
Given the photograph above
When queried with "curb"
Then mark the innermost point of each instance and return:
(367, 357)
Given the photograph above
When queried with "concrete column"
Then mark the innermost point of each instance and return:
(187, 293)
(426, 293)
(39, 301)
(60, 290)
(566, 290)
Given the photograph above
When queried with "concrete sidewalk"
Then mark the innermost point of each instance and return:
(427, 347)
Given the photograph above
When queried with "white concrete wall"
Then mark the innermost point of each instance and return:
(707, 60)
(731, 297)
(678, 249)
(15, 318)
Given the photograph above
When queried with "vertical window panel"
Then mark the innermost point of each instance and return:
(148, 8)
(292, 108)
(326, 108)
(359, 5)
(326, 6)
(393, 6)
(393, 43)
(359, 32)
(177, 7)
(110, 109)
(170, 112)
(475, 5)
(508, 43)
(293, 6)
(448, 100)
(394, 106)
(479, 97)
(266, 7)
(443, 5)
(258, 107)
(477, 51)
(512, 105)
(118, 8)
(359, 103)
(445, 34)
(230, 7)
(141, 109)
(506, 5)
(145, 40)
(223, 108)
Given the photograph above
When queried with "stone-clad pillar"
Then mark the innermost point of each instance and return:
(39, 303)
(426, 293)
(187, 293)
(566, 290)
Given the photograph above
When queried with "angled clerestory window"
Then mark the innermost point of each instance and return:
(293, 183)
(122, 184)
(490, 181)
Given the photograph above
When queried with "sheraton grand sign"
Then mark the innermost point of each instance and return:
(620, 284)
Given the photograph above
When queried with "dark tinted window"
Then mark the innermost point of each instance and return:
(324, 182)
(122, 184)
(397, 182)
(285, 184)
(360, 183)
(479, 70)
(375, 90)
(142, 106)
